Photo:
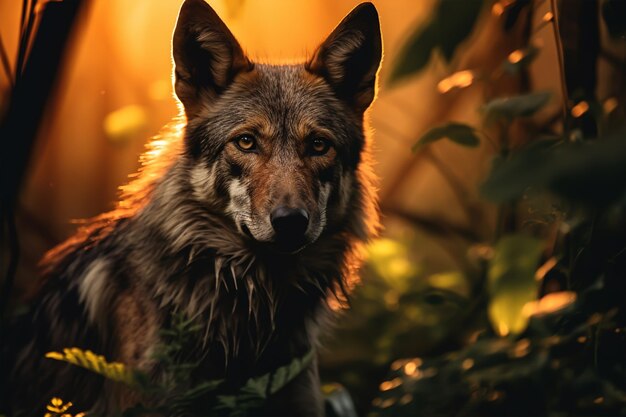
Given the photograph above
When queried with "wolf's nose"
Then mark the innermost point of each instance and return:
(289, 223)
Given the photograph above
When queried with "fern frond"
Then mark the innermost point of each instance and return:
(115, 371)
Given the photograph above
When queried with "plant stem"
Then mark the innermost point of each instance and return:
(559, 54)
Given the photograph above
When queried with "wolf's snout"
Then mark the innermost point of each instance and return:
(290, 225)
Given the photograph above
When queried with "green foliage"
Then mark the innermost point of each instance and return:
(174, 394)
(590, 172)
(450, 25)
(457, 132)
(548, 372)
(256, 390)
(511, 282)
(178, 339)
(507, 108)
(555, 341)
(405, 305)
(283, 375)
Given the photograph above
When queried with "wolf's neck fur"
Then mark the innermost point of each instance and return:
(207, 270)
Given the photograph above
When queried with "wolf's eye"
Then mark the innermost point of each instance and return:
(245, 143)
(320, 146)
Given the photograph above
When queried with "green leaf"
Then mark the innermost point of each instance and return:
(590, 172)
(510, 178)
(284, 374)
(255, 391)
(415, 54)
(516, 106)
(457, 132)
(255, 388)
(451, 23)
(511, 282)
(456, 20)
(202, 388)
(226, 402)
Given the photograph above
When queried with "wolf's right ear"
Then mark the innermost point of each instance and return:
(350, 57)
(207, 57)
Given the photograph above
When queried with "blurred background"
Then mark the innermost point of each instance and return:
(424, 291)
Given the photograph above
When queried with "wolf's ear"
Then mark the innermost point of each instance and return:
(206, 55)
(349, 58)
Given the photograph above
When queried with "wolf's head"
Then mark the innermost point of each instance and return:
(276, 147)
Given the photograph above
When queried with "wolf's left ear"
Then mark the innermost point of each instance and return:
(349, 58)
(207, 56)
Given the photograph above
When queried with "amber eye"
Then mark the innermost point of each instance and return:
(320, 146)
(246, 142)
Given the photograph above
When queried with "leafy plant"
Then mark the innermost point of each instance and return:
(174, 395)
(511, 282)
(553, 273)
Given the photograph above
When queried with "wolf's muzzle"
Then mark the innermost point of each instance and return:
(290, 225)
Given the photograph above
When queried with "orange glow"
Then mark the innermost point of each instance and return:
(406, 398)
(580, 109)
(388, 402)
(516, 56)
(548, 17)
(460, 79)
(610, 104)
(411, 367)
(521, 348)
(388, 385)
(550, 303)
(467, 364)
(497, 9)
(543, 269)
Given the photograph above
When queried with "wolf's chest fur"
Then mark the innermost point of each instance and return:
(246, 219)
(245, 301)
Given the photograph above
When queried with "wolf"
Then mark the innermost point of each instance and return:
(248, 217)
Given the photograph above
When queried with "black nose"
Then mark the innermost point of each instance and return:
(289, 223)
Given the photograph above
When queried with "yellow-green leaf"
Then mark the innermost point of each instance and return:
(115, 371)
(511, 282)
(123, 123)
